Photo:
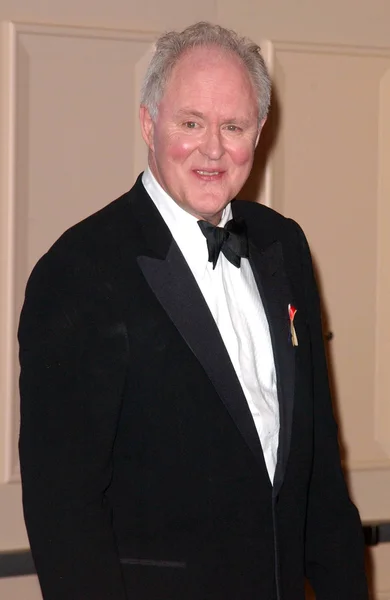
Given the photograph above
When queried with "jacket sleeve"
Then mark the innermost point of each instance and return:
(334, 545)
(72, 356)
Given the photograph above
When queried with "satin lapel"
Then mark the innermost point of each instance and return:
(274, 289)
(171, 280)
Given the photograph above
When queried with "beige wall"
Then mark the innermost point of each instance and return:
(354, 22)
(329, 169)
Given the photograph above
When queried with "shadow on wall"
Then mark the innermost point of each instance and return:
(263, 153)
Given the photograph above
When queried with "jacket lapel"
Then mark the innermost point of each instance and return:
(266, 258)
(171, 280)
(274, 289)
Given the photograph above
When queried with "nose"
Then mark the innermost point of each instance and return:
(212, 144)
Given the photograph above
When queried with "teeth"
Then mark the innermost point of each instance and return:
(208, 172)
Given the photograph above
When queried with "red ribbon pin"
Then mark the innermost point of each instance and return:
(292, 311)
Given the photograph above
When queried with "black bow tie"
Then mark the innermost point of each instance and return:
(231, 240)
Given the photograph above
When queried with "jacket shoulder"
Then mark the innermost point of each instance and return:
(266, 224)
(100, 233)
(95, 230)
(89, 250)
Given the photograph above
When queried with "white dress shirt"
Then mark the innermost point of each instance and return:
(234, 301)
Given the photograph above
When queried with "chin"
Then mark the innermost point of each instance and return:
(208, 211)
(211, 205)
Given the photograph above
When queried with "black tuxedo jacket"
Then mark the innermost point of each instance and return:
(143, 475)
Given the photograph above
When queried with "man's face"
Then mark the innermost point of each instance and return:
(202, 144)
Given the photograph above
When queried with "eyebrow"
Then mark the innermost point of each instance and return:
(189, 112)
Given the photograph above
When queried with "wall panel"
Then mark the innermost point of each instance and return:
(330, 172)
(73, 145)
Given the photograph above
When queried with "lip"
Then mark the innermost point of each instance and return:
(208, 174)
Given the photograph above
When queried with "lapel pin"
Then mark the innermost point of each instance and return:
(292, 311)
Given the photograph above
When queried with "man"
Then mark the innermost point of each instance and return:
(177, 438)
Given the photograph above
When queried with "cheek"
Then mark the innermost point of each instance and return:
(179, 148)
(242, 155)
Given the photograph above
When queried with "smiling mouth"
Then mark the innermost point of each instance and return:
(208, 173)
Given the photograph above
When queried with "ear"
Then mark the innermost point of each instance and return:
(147, 126)
(260, 130)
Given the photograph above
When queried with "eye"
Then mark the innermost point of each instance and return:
(190, 124)
(233, 128)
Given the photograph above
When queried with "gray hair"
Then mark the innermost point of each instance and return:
(172, 45)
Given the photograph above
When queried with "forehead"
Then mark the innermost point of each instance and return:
(210, 76)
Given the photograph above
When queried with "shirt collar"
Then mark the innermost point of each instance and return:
(182, 225)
